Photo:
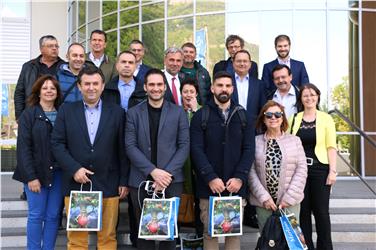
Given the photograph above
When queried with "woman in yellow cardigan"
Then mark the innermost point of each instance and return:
(316, 130)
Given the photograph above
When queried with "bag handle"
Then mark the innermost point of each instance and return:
(91, 186)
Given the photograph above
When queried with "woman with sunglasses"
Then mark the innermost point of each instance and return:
(36, 167)
(279, 173)
(317, 131)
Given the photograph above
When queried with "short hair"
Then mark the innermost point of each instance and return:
(154, 71)
(173, 50)
(89, 70)
(260, 125)
(243, 51)
(74, 44)
(34, 97)
(279, 67)
(281, 38)
(190, 81)
(311, 86)
(101, 32)
(136, 41)
(43, 39)
(189, 45)
(233, 38)
(125, 52)
(221, 74)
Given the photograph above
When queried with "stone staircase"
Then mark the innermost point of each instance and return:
(352, 207)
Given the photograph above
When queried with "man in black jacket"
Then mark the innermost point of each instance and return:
(46, 63)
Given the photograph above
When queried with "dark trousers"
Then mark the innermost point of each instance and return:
(174, 190)
(316, 201)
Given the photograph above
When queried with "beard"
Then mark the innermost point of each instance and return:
(222, 97)
(283, 54)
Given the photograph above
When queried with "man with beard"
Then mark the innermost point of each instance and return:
(234, 43)
(68, 72)
(286, 93)
(157, 145)
(282, 45)
(194, 70)
(222, 150)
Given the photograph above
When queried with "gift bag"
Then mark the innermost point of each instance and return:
(85, 210)
(159, 219)
(272, 236)
(292, 231)
(225, 216)
(191, 243)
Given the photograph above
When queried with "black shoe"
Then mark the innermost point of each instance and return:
(251, 222)
(23, 196)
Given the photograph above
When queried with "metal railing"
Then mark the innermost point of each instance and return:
(361, 133)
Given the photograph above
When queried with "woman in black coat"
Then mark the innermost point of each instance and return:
(36, 167)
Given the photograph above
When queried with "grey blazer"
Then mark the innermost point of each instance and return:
(173, 142)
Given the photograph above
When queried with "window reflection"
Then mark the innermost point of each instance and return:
(207, 6)
(129, 17)
(153, 38)
(111, 48)
(81, 12)
(109, 6)
(126, 36)
(177, 8)
(152, 11)
(109, 22)
(179, 32)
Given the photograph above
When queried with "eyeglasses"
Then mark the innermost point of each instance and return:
(234, 47)
(269, 115)
(50, 46)
(306, 96)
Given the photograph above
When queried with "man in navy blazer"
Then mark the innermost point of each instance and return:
(157, 145)
(282, 45)
(138, 49)
(88, 144)
(248, 91)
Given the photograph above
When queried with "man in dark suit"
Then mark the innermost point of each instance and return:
(157, 145)
(173, 61)
(88, 144)
(282, 45)
(248, 91)
(138, 49)
(234, 43)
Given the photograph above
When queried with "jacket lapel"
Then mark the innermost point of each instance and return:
(235, 96)
(145, 120)
(105, 115)
(162, 120)
(80, 115)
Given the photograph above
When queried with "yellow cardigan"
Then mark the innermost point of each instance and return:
(325, 133)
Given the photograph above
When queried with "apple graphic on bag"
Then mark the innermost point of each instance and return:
(82, 220)
(226, 226)
(153, 227)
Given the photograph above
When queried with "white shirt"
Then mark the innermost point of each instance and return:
(286, 62)
(288, 101)
(97, 62)
(242, 87)
(177, 84)
(137, 69)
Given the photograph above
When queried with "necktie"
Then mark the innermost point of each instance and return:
(174, 91)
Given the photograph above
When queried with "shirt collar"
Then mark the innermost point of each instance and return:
(284, 62)
(97, 106)
(291, 92)
(237, 77)
(169, 76)
(123, 83)
(93, 59)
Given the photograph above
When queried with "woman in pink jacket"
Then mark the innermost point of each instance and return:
(279, 173)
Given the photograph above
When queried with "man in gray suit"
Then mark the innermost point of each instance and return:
(157, 145)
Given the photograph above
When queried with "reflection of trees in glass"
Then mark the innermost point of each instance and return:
(215, 25)
(153, 38)
(253, 50)
(341, 100)
(126, 36)
(177, 8)
(111, 48)
(153, 11)
(127, 3)
(82, 34)
(129, 17)
(209, 5)
(109, 22)
(81, 12)
(109, 6)
(179, 31)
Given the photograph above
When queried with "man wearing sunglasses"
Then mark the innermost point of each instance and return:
(286, 93)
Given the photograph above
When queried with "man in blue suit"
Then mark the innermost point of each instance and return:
(138, 49)
(248, 91)
(282, 45)
(157, 145)
(88, 144)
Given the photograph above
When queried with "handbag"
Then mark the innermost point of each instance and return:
(159, 218)
(272, 237)
(292, 231)
(85, 210)
(186, 209)
(225, 216)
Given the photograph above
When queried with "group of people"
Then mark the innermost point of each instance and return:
(120, 123)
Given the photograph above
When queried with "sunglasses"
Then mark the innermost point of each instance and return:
(269, 115)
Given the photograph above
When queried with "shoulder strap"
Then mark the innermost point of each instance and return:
(293, 122)
(205, 111)
(69, 90)
(242, 116)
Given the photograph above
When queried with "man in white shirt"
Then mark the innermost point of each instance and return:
(173, 61)
(286, 92)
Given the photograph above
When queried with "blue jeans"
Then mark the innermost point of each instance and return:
(44, 215)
